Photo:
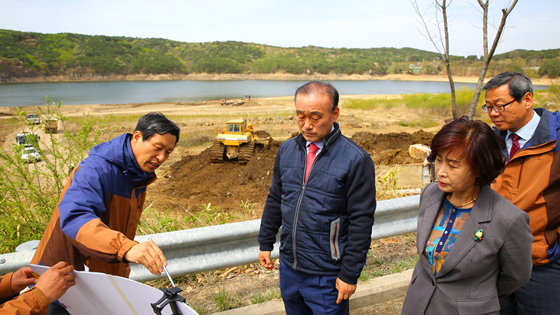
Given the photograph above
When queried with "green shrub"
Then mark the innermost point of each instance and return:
(550, 68)
(371, 104)
(422, 123)
(440, 104)
(189, 140)
(30, 192)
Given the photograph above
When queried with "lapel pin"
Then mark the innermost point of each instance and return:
(478, 236)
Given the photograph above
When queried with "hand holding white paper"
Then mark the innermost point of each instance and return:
(98, 293)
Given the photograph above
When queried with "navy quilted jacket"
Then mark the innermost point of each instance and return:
(326, 221)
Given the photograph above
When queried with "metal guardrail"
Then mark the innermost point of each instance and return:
(234, 244)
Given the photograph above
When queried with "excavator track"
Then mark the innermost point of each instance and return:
(217, 152)
(246, 152)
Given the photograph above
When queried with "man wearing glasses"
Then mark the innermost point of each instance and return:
(531, 181)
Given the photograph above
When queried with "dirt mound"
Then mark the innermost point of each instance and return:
(391, 148)
(262, 134)
(194, 181)
(5, 134)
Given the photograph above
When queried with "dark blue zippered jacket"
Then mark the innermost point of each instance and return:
(326, 221)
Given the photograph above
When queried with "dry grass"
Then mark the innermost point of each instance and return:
(219, 290)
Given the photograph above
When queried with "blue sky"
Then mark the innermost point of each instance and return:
(327, 23)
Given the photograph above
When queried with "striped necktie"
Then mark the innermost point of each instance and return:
(514, 145)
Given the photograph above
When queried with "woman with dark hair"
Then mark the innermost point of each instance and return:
(474, 245)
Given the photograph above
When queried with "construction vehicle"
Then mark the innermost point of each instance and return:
(232, 102)
(225, 102)
(28, 146)
(33, 119)
(30, 154)
(30, 138)
(51, 125)
(237, 141)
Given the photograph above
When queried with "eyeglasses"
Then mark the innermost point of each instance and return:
(498, 108)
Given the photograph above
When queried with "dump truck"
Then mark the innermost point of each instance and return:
(225, 102)
(237, 141)
(234, 102)
(51, 125)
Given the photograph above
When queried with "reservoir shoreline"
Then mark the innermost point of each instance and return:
(272, 77)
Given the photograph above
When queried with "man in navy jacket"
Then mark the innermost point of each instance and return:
(325, 207)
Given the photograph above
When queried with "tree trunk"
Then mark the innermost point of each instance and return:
(443, 7)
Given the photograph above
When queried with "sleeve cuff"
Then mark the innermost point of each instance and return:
(38, 294)
(347, 279)
(266, 247)
(124, 249)
(6, 286)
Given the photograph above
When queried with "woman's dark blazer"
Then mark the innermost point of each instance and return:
(476, 272)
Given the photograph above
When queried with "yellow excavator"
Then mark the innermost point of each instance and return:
(236, 141)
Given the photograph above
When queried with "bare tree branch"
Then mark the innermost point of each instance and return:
(488, 54)
(443, 31)
(442, 28)
(427, 34)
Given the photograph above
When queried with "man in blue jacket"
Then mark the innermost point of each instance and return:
(323, 196)
(94, 223)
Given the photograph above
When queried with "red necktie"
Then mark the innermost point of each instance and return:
(310, 158)
(514, 145)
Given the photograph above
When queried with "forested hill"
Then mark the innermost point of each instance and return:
(27, 54)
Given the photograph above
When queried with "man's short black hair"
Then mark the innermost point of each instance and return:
(153, 123)
(319, 87)
(518, 83)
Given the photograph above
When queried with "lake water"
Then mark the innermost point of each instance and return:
(80, 93)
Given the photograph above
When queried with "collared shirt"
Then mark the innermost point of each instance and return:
(319, 144)
(525, 133)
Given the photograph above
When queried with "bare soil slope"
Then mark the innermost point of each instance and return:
(193, 181)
